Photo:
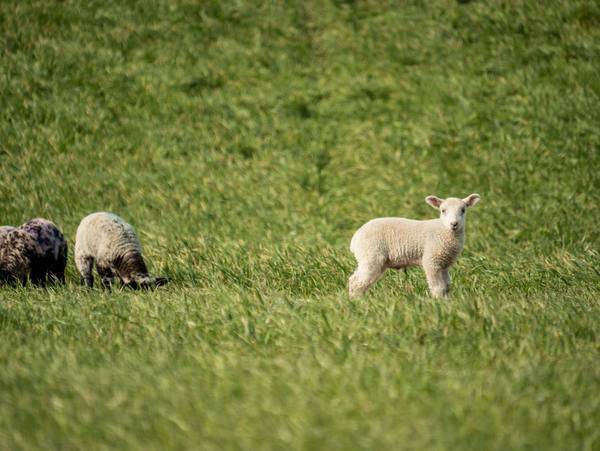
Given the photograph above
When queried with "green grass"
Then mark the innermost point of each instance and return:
(247, 141)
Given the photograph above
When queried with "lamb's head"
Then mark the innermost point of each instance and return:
(453, 210)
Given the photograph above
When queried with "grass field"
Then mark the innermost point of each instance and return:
(246, 141)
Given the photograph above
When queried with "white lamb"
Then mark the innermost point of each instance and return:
(397, 243)
(112, 244)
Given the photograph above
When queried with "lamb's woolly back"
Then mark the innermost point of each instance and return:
(400, 242)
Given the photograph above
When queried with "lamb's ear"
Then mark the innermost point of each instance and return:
(471, 199)
(434, 201)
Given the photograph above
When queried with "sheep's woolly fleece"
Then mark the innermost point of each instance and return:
(37, 250)
(106, 240)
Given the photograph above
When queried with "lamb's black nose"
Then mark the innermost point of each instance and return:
(454, 225)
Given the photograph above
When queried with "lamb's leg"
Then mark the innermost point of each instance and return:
(85, 265)
(446, 274)
(438, 281)
(365, 275)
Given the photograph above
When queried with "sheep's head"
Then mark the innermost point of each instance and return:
(453, 210)
(146, 282)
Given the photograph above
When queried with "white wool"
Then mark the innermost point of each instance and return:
(106, 240)
(397, 243)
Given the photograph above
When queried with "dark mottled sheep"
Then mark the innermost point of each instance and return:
(36, 251)
(110, 243)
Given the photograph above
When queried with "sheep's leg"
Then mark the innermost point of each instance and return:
(438, 281)
(107, 282)
(85, 265)
(365, 276)
(446, 274)
(56, 272)
(106, 275)
(38, 277)
(61, 265)
(57, 276)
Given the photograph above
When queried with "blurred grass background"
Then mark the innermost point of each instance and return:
(246, 141)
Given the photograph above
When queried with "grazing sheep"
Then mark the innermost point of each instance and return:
(397, 243)
(112, 244)
(37, 250)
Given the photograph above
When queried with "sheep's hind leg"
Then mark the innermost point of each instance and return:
(57, 276)
(438, 281)
(38, 277)
(85, 265)
(365, 276)
(56, 272)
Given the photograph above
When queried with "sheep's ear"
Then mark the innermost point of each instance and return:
(434, 201)
(471, 199)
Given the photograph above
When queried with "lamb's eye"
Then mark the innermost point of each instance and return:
(462, 211)
(444, 210)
